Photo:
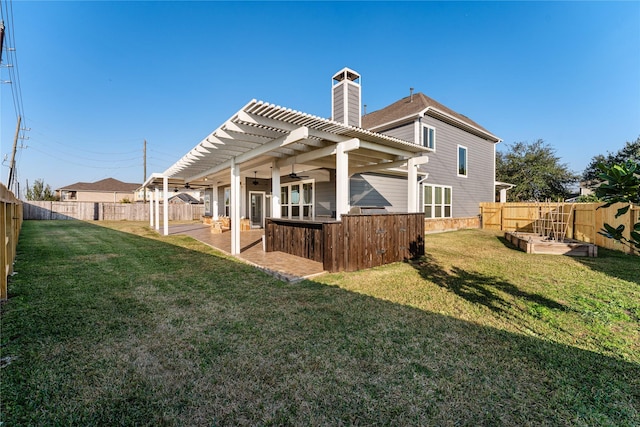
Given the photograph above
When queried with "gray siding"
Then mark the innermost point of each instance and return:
(478, 186)
(365, 190)
(379, 190)
(338, 104)
(326, 198)
(404, 132)
(353, 105)
(220, 201)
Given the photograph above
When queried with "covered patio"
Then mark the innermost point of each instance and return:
(273, 145)
(281, 265)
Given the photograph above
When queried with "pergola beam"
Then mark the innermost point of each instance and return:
(349, 145)
(379, 166)
(295, 135)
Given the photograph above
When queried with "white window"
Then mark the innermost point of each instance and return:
(429, 137)
(437, 201)
(297, 199)
(462, 160)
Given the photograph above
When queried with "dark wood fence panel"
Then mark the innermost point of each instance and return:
(303, 239)
(356, 242)
(334, 253)
(374, 240)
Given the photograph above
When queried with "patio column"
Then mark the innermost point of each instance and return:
(503, 195)
(412, 182)
(342, 175)
(151, 209)
(276, 208)
(157, 212)
(234, 205)
(165, 208)
(214, 203)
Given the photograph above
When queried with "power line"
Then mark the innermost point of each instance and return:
(9, 45)
(12, 58)
(71, 162)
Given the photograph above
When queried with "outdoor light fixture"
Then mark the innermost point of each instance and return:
(187, 186)
(255, 178)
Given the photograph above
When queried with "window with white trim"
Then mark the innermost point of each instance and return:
(462, 160)
(436, 201)
(297, 199)
(429, 137)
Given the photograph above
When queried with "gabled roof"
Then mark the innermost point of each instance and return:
(411, 107)
(107, 184)
(186, 198)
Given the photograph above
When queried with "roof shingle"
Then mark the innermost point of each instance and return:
(412, 106)
(107, 184)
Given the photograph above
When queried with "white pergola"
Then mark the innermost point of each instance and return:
(262, 139)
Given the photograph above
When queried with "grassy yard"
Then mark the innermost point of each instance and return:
(115, 325)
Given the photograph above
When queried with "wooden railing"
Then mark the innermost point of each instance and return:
(10, 224)
(354, 243)
(583, 220)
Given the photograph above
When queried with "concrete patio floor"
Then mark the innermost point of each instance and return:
(279, 264)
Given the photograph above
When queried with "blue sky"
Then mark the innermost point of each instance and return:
(98, 78)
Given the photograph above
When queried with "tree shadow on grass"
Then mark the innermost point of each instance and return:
(610, 262)
(200, 339)
(478, 288)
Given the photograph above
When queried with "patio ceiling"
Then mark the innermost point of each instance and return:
(261, 133)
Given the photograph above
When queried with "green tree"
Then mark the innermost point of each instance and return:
(40, 191)
(630, 152)
(620, 183)
(535, 171)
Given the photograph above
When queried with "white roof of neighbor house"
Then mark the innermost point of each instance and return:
(260, 133)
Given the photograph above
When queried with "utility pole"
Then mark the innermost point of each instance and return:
(1, 38)
(12, 165)
(144, 178)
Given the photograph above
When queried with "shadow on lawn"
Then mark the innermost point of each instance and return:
(478, 288)
(210, 341)
(610, 262)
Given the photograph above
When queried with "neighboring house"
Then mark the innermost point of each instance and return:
(106, 190)
(184, 199)
(173, 191)
(415, 155)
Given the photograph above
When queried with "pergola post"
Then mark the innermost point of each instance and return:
(412, 182)
(157, 211)
(235, 207)
(214, 203)
(412, 186)
(503, 195)
(165, 208)
(276, 208)
(342, 181)
(151, 209)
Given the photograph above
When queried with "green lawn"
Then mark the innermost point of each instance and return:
(115, 325)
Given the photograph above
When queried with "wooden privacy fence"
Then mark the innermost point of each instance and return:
(583, 220)
(354, 243)
(94, 211)
(10, 224)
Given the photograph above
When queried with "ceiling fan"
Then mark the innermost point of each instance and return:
(294, 175)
